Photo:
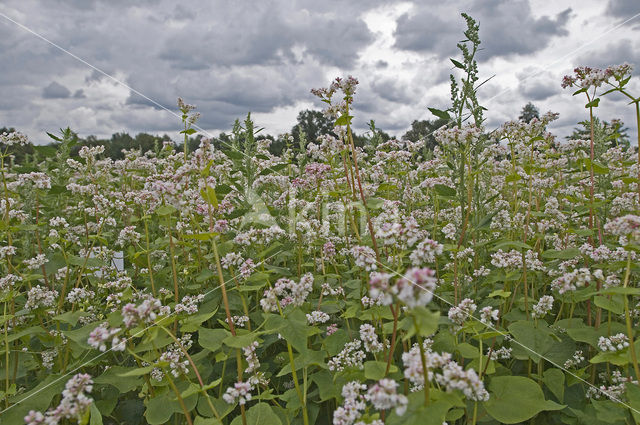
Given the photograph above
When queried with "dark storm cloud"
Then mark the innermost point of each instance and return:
(268, 35)
(55, 91)
(507, 27)
(623, 8)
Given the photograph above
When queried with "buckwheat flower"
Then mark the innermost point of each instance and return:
(370, 339)
(286, 291)
(189, 304)
(626, 226)
(35, 418)
(383, 396)
(99, 337)
(7, 251)
(8, 281)
(39, 180)
(240, 393)
(574, 360)
(542, 307)
(58, 222)
(449, 231)
(460, 313)
(174, 355)
(502, 353)
(489, 314)
(39, 297)
(316, 317)
(74, 405)
(613, 343)
(328, 250)
(379, 287)
(426, 252)
(570, 281)
(415, 288)
(364, 257)
(13, 138)
(232, 259)
(127, 236)
(48, 357)
(238, 321)
(332, 328)
(454, 377)
(145, 312)
(80, 295)
(353, 405)
(350, 356)
(36, 262)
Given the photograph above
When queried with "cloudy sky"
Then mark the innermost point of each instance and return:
(232, 57)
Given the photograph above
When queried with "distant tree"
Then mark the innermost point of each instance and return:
(313, 123)
(529, 112)
(424, 129)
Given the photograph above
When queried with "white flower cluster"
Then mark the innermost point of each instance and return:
(451, 375)
(426, 252)
(189, 304)
(625, 226)
(383, 396)
(574, 360)
(350, 356)
(370, 339)
(100, 335)
(316, 317)
(415, 288)
(145, 312)
(353, 405)
(613, 343)
(238, 321)
(240, 393)
(74, 405)
(286, 291)
(39, 297)
(542, 307)
(459, 314)
(489, 314)
(571, 281)
(364, 257)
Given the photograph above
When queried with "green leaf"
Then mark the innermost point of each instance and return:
(593, 104)
(163, 210)
(209, 195)
(554, 380)
(537, 340)
(96, 416)
(295, 330)
(444, 190)
(614, 305)
(456, 63)
(212, 339)
(206, 421)
(260, 414)
(500, 293)
(343, 120)
(426, 322)
(440, 114)
(240, 341)
(375, 369)
(114, 376)
(516, 399)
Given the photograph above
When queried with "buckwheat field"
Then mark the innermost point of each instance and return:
(489, 277)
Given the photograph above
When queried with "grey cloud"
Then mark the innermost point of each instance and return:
(55, 91)
(537, 85)
(392, 90)
(623, 8)
(79, 94)
(507, 27)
